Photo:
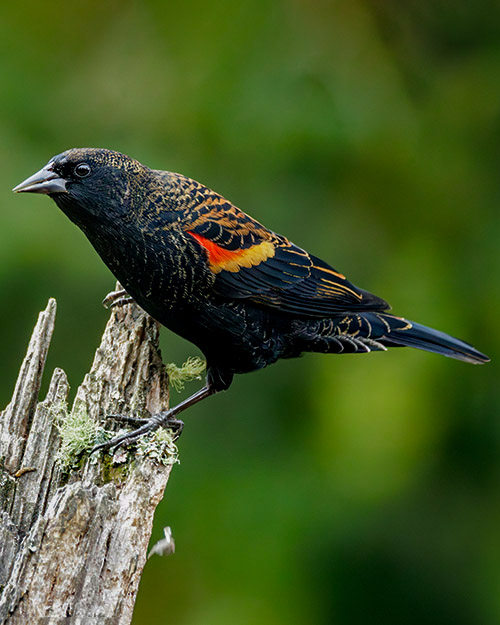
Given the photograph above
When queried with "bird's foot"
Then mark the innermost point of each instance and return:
(117, 298)
(162, 419)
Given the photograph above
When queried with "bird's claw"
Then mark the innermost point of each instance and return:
(162, 419)
(117, 298)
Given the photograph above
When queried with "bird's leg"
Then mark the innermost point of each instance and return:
(165, 419)
(117, 298)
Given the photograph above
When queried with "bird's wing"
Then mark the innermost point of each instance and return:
(254, 263)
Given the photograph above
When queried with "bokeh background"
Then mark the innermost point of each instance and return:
(327, 490)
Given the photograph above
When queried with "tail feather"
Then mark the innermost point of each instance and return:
(397, 332)
(376, 331)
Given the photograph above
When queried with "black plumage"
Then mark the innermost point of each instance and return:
(243, 294)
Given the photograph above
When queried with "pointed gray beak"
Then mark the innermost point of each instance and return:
(44, 181)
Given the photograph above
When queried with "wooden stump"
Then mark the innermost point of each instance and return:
(73, 542)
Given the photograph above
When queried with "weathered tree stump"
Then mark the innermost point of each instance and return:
(73, 541)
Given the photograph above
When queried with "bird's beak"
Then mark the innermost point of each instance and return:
(44, 181)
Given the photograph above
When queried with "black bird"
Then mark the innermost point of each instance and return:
(243, 294)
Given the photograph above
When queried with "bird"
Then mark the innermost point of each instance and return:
(243, 294)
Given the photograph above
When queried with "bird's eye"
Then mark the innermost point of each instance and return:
(82, 170)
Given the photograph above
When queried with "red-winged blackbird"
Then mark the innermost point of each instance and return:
(244, 295)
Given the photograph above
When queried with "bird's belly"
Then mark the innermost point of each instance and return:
(231, 335)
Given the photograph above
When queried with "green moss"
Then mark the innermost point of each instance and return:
(111, 471)
(192, 369)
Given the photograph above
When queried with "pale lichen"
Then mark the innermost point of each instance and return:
(192, 369)
(159, 446)
(78, 433)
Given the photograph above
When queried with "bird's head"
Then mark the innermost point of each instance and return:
(89, 182)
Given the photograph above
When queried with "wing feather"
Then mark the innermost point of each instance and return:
(254, 263)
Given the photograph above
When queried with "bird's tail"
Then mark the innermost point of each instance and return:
(374, 331)
(402, 333)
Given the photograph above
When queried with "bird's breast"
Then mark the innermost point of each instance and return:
(161, 269)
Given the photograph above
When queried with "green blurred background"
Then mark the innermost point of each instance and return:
(327, 490)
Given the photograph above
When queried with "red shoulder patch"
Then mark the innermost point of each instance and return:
(221, 259)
